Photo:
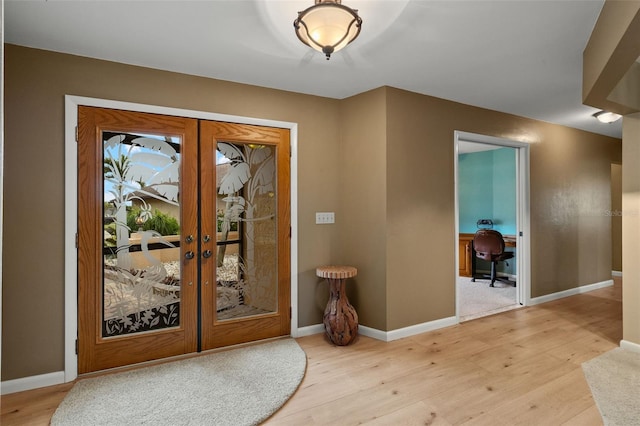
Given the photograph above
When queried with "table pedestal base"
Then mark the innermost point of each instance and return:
(340, 318)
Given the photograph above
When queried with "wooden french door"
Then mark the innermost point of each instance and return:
(183, 236)
(246, 190)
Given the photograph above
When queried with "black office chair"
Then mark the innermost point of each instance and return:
(488, 244)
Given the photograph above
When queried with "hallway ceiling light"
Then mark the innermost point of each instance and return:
(327, 26)
(607, 117)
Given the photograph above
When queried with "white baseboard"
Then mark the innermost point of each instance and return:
(616, 273)
(630, 346)
(310, 330)
(412, 330)
(374, 333)
(571, 292)
(32, 382)
(387, 336)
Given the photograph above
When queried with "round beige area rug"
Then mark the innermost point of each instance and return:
(242, 386)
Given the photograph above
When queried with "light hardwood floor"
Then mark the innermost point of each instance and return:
(517, 367)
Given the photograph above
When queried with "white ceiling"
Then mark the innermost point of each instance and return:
(516, 56)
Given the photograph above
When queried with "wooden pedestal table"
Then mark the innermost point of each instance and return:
(340, 318)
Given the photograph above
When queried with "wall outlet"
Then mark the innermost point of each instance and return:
(325, 217)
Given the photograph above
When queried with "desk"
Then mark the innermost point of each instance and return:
(509, 240)
(467, 258)
(340, 318)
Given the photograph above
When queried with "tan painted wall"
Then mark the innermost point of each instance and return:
(610, 74)
(616, 217)
(363, 194)
(36, 82)
(421, 234)
(570, 196)
(570, 228)
(382, 160)
(611, 79)
(631, 228)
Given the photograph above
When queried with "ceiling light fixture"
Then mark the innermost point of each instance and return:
(327, 26)
(607, 117)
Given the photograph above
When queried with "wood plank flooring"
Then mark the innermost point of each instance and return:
(516, 367)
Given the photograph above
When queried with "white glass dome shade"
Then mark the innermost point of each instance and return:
(327, 26)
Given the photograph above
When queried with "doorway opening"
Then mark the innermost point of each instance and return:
(225, 142)
(183, 235)
(491, 193)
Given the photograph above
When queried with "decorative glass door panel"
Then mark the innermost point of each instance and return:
(246, 209)
(141, 239)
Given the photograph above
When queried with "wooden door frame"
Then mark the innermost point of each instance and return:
(71, 206)
(523, 259)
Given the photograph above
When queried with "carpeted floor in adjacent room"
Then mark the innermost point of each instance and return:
(477, 299)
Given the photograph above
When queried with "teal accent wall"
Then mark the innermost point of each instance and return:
(475, 189)
(504, 190)
(487, 190)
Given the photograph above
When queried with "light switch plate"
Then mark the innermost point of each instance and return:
(325, 217)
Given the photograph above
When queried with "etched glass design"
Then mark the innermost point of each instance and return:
(246, 209)
(141, 241)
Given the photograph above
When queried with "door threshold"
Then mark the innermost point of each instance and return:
(491, 312)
